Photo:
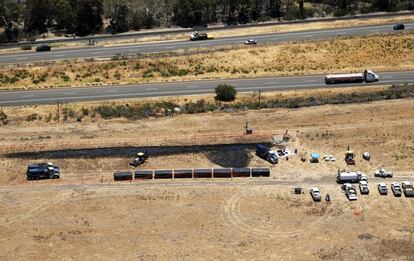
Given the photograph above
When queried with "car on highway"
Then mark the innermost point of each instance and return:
(396, 189)
(383, 173)
(382, 189)
(399, 27)
(316, 194)
(43, 48)
(363, 187)
(250, 41)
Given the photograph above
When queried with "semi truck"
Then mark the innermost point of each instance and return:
(266, 154)
(196, 36)
(366, 76)
(42, 171)
(350, 177)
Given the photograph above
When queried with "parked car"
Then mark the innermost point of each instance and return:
(383, 173)
(250, 41)
(399, 27)
(316, 194)
(43, 48)
(351, 194)
(363, 187)
(382, 189)
(407, 188)
(396, 189)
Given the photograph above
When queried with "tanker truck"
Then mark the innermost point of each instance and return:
(366, 76)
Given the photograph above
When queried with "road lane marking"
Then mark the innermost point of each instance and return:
(27, 96)
(69, 93)
(151, 89)
(111, 91)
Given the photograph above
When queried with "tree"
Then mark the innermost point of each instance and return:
(225, 92)
(120, 18)
(275, 8)
(10, 17)
(88, 17)
(64, 13)
(3, 118)
(38, 14)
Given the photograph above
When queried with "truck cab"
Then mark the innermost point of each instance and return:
(370, 76)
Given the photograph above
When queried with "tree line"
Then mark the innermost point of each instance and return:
(29, 18)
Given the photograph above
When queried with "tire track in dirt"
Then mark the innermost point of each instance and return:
(31, 208)
(230, 210)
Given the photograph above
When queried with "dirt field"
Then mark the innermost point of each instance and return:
(87, 216)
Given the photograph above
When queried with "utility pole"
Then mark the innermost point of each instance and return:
(260, 92)
(58, 112)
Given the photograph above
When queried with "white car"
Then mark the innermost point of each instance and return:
(329, 158)
(382, 189)
(405, 184)
(363, 187)
(316, 194)
(396, 189)
(383, 173)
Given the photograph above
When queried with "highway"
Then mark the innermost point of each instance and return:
(144, 48)
(64, 95)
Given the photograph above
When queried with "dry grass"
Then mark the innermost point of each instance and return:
(380, 53)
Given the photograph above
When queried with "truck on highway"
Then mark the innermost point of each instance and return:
(196, 36)
(366, 76)
(350, 177)
(42, 171)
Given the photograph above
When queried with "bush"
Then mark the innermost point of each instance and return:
(225, 92)
(3, 118)
(32, 117)
(26, 47)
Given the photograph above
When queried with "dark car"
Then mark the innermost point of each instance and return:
(399, 27)
(43, 48)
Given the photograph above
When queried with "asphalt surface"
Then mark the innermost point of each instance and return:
(97, 52)
(64, 95)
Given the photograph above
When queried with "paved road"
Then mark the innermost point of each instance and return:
(63, 95)
(96, 51)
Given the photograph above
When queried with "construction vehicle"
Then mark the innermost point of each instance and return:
(196, 36)
(366, 76)
(349, 157)
(140, 159)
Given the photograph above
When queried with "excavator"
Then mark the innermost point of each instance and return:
(349, 157)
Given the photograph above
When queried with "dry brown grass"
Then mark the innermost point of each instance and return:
(380, 53)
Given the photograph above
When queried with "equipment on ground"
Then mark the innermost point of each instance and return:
(298, 190)
(140, 159)
(42, 171)
(366, 76)
(314, 157)
(349, 157)
(366, 156)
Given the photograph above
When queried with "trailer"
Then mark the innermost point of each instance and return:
(350, 177)
(366, 76)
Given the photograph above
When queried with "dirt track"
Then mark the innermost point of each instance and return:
(87, 216)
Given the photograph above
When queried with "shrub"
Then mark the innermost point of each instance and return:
(32, 117)
(3, 118)
(26, 47)
(225, 92)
